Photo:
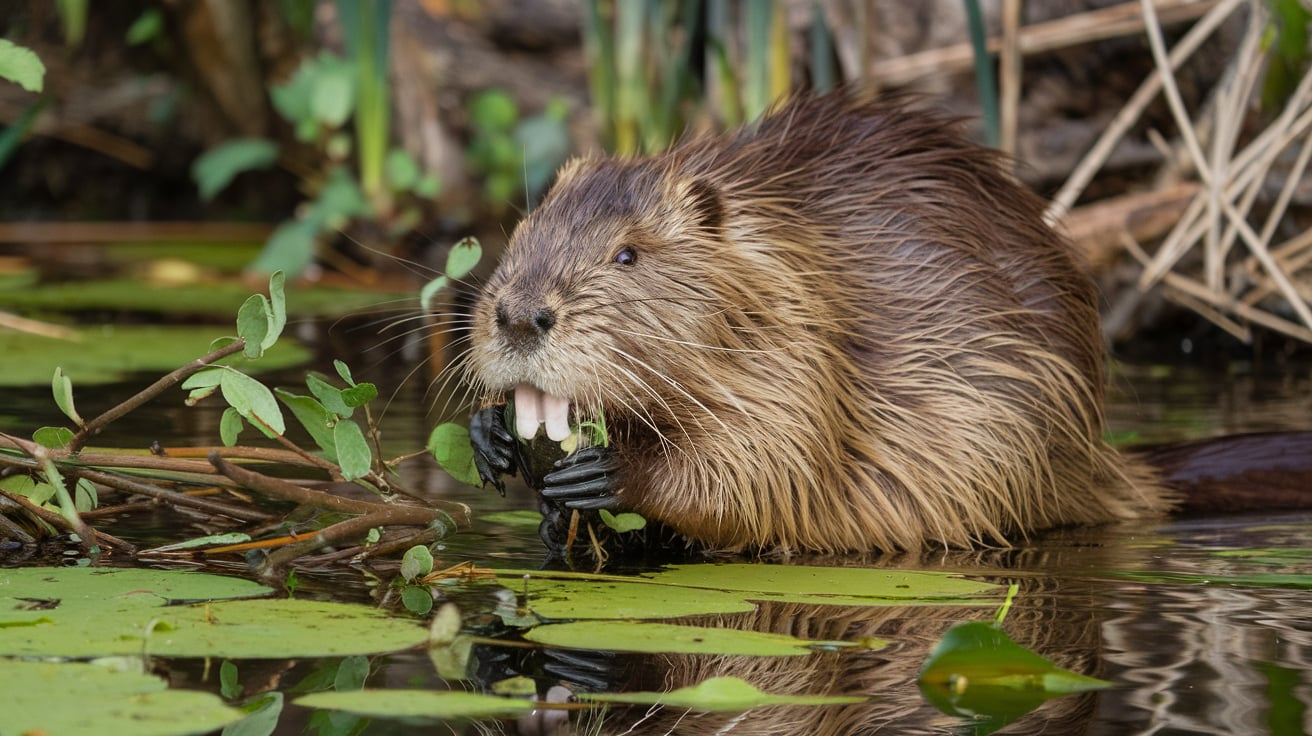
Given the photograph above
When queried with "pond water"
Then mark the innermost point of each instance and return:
(1204, 625)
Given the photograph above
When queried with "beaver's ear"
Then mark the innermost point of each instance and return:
(703, 199)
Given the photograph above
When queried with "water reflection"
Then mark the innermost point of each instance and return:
(1198, 640)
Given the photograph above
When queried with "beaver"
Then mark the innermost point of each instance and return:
(840, 328)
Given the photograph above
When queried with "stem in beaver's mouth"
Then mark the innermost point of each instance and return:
(534, 407)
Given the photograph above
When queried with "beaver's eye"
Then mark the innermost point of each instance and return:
(626, 256)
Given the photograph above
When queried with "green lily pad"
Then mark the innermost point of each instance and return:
(656, 638)
(90, 612)
(109, 352)
(718, 694)
(55, 698)
(612, 597)
(417, 704)
(835, 586)
(977, 671)
(108, 587)
(242, 629)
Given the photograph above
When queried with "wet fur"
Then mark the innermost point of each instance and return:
(845, 329)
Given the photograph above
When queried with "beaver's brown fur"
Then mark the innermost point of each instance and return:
(841, 328)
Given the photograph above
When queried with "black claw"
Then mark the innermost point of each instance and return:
(495, 449)
(598, 502)
(582, 478)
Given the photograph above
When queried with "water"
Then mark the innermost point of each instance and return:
(1183, 615)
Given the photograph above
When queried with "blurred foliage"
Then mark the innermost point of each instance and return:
(1286, 42)
(514, 154)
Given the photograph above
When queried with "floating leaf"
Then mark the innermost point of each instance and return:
(57, 698)
(450, 445)
(416, 704)
(976, 670)
(417, 599)
(718, 694)
(658, 638)
(846, 586)
(205, 541)
(417, 562)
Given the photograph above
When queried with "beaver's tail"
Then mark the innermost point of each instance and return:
(1247, 472)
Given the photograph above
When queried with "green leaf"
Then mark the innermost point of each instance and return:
(427, 187)
(462, 258)
(78, 697)
(62, 387)
(493, 111)
(664, 638)
(254, 400)
(333, 96)
(21, 65)
(277, 308)
(262, 716)
(418, 704)
(230, 427)
(229, 685)
(215, 169)
(316, 419)
(53, 438)
(351, 674)
(145, 28)
(417, 599)
(829, 585)
(450, 446)
(27, 487)
(430, 290)
(977, 669)
(290, 248)
(253, 320)
(401, 170)
(340, 200)
(330, 395)
(353, 454)
(613, 597)
(718, 694)
(625, 522)
(359, 394)
(211, 377)
(85, 497)
(344, 371)
(417, 562)
(205, 541)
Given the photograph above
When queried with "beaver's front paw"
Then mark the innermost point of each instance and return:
(495, 448)
(582, 480)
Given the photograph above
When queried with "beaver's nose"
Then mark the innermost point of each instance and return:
(524, 326)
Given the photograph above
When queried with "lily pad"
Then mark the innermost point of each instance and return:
(55, 698)
(835, 586)
(719, 694)
(656, 638)
(977, 671)
(417, 704)
(612, 597)
(106, 353)
(85, 612)
(251, 629)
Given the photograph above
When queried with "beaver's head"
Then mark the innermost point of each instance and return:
(604, 295)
